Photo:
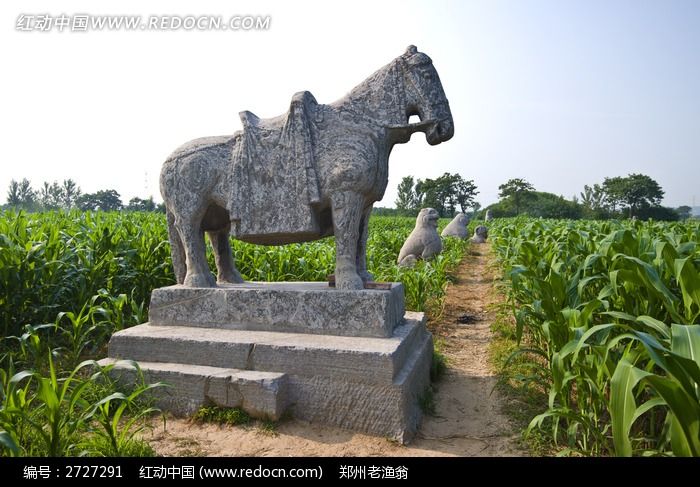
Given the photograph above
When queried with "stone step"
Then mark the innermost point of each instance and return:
(297, 307)
(261, 394)
(359, 359)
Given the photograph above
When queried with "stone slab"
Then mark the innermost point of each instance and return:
(364, 384)
(391, 410)
(261, 394)
(297, 307)
(375, 360)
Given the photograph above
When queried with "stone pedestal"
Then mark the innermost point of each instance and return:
(352, 359)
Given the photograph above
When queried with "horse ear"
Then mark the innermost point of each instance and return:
(411, 50)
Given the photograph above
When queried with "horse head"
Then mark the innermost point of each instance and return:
(425, 97)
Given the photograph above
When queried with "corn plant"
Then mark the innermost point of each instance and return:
(68, 280)
(603, 308)
(120, 416)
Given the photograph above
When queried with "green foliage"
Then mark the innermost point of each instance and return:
(217, 415)
(138, 204)
(57, 261)
(608, 314)
(407, 199)
(68, 280)
(635, 191)
(268, 427)
(516, 191)
(684, 212)
(538, 204)
(445, 193)
(20, 195)
(438, 366)
(104, 200)
(56, 414)
(426, 401)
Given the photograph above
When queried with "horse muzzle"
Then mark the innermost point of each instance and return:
(440, 131)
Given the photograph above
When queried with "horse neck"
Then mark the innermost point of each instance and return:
(370, 99)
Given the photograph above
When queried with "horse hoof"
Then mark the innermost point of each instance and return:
(366, 276)
(351, 283)
(200, 280)
(235, 279)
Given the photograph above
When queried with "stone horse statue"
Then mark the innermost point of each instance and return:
(313, 172)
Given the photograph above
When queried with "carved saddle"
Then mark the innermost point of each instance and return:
(274, 180)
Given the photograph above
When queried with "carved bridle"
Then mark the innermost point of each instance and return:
(405, 74)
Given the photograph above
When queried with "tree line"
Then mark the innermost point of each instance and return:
(68, 195)
(445, 194)
(633, 196)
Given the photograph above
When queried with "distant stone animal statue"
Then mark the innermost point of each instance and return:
(313, 172)
(481, 233)
(424, 241)
(457, 227)
(488, 216)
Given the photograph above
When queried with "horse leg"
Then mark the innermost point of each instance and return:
(347, 212)
(226, 269)
(176, 249)
(192, 236)
(362, 246)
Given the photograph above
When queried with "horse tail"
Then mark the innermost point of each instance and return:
(176, 248)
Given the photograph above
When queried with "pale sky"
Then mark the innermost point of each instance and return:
(561, 93)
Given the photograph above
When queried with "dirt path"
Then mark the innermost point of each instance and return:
(467, 421)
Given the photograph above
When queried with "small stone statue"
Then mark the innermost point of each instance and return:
(457, 227)
(488, 216)
(481, 233)
(424, 241)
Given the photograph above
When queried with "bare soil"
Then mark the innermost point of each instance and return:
(467, 419)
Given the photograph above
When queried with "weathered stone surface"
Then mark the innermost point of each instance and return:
(488, 216)
(189, 387)
(301, 307)
(481, 233)
(356, 358)
(390, 410)
(313, 172)
(457, 227)
(424, 241)
(359, 383)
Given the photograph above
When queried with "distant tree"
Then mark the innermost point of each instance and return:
(407, 201)
(71, 192)
(476, 206)
(684, 212)
(657, 213)
(517, 190)
(466, 192)
(593, 202)
(548, 205)
(50, 196)
(635, 192)
(613, 190)
(13, 197)
(445, 193)
(105, 200)
(138, 204)
(380, 211)
(593, 198)
(27, 195)
(538, 204)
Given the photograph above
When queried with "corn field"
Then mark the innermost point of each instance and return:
(608, 318)
(68, 280)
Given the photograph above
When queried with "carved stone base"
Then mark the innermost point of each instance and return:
(298, 307)
(369, 384)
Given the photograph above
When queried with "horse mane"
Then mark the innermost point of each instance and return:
(366, 96)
